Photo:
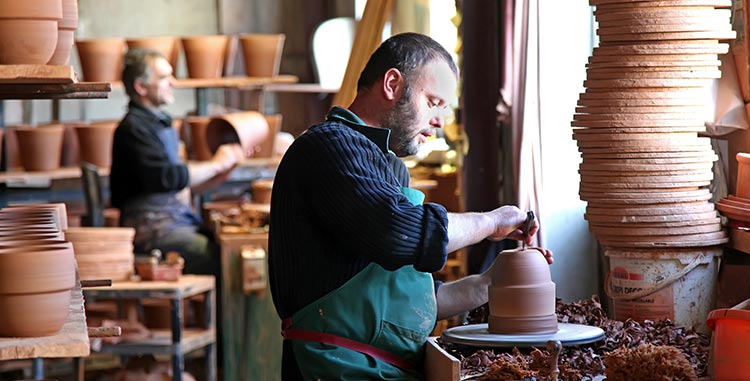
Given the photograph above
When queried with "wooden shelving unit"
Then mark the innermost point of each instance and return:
(47, 82)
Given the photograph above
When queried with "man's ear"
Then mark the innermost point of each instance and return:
(140, 89)
(393, 84)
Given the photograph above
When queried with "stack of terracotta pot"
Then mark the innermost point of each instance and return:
(103, 253)
(645, 170)
(37, 270)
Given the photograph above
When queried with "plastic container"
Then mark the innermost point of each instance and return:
(651, 284)
(731, 344)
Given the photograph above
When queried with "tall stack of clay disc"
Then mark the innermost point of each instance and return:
(522, 294)
(645, 169)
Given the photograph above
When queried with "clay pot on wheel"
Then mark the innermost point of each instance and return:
(262, 54)
(249, 129)
(522, 294)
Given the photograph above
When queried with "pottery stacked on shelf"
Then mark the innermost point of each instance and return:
(29, 31)
(66, 28)
(37, 270)
(262, 53)
(522, 294)
(249, 129)
(205, 56)
(103, 253)
(40, 147)
(95, 142)
(645, 170)
(168, 46)
(736, 207)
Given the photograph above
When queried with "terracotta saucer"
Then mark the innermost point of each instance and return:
(657, 24)
(605, 74)
(679, 223)
(691, 240)
(659, 161)
(653, 65)
(662, 3)
(665, 209)
(651, 231)
(657, 169)
(652, 59)
(649, 155)
(627, 219)
(612, 201)
(665, 48)
(631, 135)
(701, 146)
(645, 94)
(713, 34)
(597, 182)
(638, 109)
(654, 144)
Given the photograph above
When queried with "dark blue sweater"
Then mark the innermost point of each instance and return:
(336, 207)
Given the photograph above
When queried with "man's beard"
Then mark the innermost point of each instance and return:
(400, 120)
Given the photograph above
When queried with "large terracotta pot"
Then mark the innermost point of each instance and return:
(268, 147)
(204, 55)
(29, 267)
(169, 46)
(28, 30)
(101, 59)
(198, 146)
(262, 53)
(66, 28)
(33, 314)
(248, 128)
(40, 148)
(95, 142)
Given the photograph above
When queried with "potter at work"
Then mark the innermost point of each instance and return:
(149, 181)
(351, 261)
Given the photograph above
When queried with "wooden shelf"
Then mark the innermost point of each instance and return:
(37, 179)
(161, 343)
(187, 286)
(78, 90)
(71, 341)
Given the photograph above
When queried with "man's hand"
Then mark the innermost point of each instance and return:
(509, 223)
(227, 156)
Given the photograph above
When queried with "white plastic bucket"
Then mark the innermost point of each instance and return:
(651, 284)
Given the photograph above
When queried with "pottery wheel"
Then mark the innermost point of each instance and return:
(477, 335)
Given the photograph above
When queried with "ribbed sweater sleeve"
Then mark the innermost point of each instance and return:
(336, 206)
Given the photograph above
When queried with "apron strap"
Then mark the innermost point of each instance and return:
(327, 338)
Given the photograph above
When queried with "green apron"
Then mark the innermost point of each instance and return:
(360, 330)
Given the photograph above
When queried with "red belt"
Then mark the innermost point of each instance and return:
(327, 338)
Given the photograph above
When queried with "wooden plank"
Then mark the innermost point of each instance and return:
(79, 90)
(71, 341)
(439, 365)
(36, 74)
(367, 37)
(186, 286)
(197, 83)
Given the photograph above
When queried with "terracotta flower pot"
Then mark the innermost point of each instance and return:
(66, 28)
(262, 53)
(169, 46)
(249, 129)
(197, 128)
(101, 59)
(95, 142)
(268, 147)
(743, 175)
(12, 153)
(204, 55)
(40, 148)
(32, 315)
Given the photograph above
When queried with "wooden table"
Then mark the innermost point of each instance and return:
(175, 342)
(71, 341)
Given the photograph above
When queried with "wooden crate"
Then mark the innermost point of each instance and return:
(440, 365)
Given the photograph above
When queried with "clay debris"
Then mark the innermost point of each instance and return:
(661, 346)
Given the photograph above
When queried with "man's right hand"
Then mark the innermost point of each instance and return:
(227, 156)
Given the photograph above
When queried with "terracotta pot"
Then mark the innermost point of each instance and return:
(101, 59)
(168, 46)
(36, 267)
(249, 129)
(95, 142)
(262, 191)
(71, 152)
(262, 53)
(66, 28)
(268, 147)
(58, 210)
(743, 175)
(27, 41)
(198, 147)
(38, 9)
(32, 315)
(41, 148)
(96, 234)
(204, 55)
(12, 154)
(230, 57)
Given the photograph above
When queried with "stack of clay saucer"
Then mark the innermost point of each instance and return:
(103, 253)
(645, 170)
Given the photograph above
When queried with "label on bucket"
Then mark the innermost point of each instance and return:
(657, 305)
